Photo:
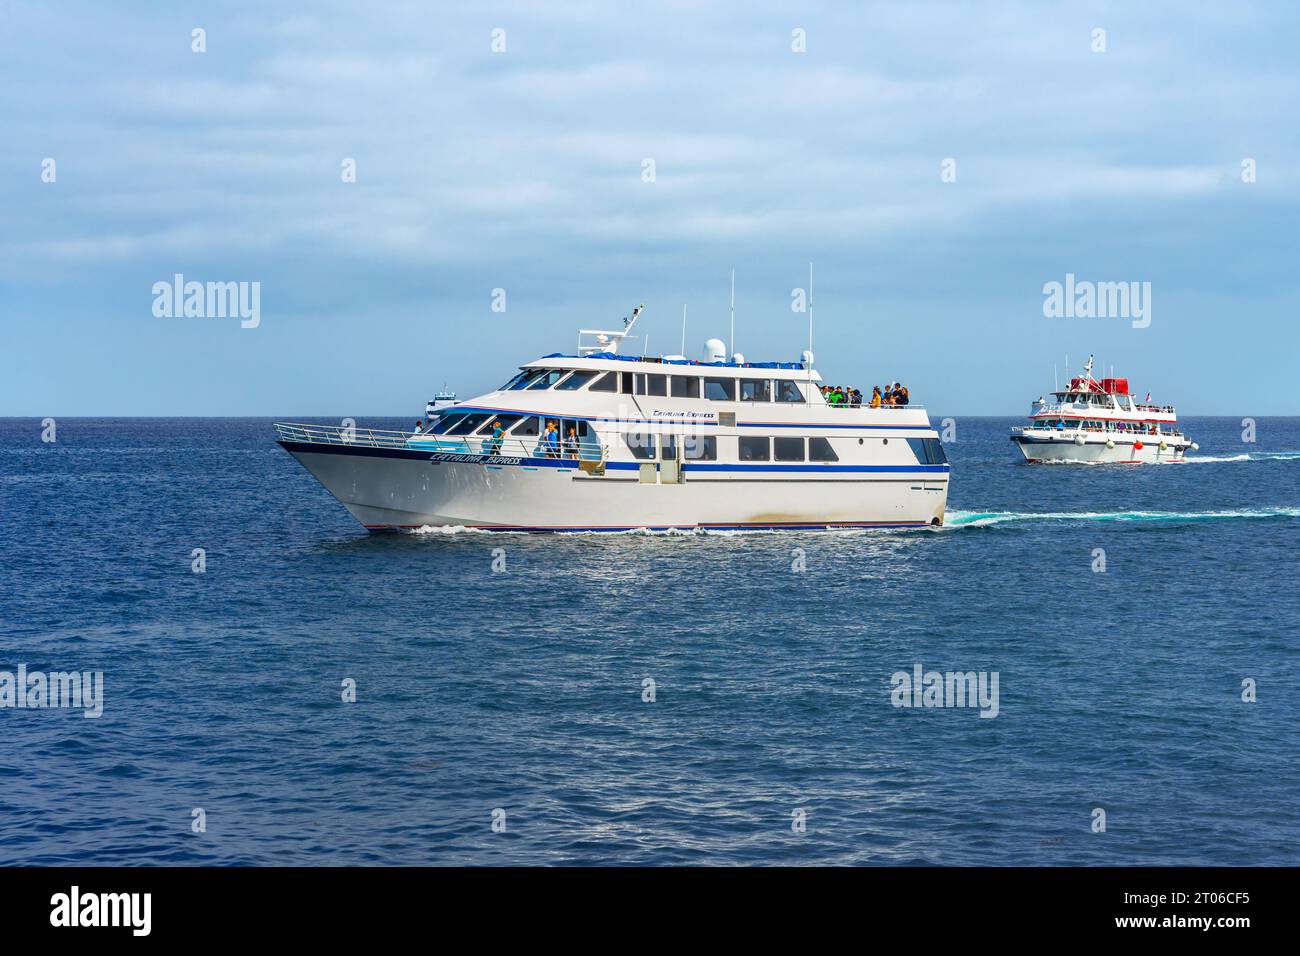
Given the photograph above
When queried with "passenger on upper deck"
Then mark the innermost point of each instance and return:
(550, 442)
(876, 397)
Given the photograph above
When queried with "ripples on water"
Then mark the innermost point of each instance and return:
(523, 690)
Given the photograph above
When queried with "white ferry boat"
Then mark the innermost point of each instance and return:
(1099, 421)
(600, 441)
(445, 398)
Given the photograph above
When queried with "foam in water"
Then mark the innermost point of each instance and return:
(1244, 456)
(982, 519)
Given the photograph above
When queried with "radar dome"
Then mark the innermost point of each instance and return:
(715, 350)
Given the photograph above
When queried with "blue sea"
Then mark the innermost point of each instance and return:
(519, 696)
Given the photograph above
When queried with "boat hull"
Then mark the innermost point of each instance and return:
(1094, 450)
(392, 489)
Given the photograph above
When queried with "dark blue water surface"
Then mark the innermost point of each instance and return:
(522, 690)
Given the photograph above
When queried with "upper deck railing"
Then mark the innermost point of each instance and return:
(1064, 408)
(532, 446)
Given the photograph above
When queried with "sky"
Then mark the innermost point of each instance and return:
(938, 163)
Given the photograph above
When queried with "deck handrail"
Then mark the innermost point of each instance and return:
(1056, 407)
(507, 447)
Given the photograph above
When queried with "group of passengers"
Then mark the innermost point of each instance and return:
(553, 444)
(895, 394)
(840, 396)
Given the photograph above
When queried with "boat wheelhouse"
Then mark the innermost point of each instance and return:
(1099, 421)
(603, 441)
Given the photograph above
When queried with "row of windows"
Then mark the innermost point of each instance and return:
(516, 426)
(749, 448)
(643, 445)
(1098, 425)
(655, 383)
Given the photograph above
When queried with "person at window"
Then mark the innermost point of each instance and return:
(551, 441)
(571, 443)
(498, 436)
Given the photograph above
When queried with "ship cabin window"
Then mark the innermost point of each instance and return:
(547, 379)
(529, 428)
(720, 389)
(928, 451)
(668, 447)
(641, 445)
(700, 448)
(506, 422)
(685, 386)
(651, 384)
(755, 390)
(606, 383)
(468, 423)
(819, 449)
(626, 388)
(755, 449)
(787, 449)
(523, 374)
(528, 377)
(788, 391)
(446, 421)
(575, 381)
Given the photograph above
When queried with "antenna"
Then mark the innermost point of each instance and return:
(683, 351)
(607, 340)
(731, 345)
(811, 353)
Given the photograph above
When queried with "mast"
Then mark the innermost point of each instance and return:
(810, 333)
(731, 343)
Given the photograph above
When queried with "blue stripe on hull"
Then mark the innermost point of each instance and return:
(411, 454)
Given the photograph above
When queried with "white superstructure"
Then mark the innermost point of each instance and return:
(1098, 421)
(444, 398)
(640, 442)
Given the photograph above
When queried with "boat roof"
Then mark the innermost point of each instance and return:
(611, 360)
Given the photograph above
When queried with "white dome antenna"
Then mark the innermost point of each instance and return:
(715, 350)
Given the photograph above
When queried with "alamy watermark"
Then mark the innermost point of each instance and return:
(36, 690)
(922, 688)
(1084, 299)
(209, 300)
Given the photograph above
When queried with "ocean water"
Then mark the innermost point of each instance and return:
(522, 690)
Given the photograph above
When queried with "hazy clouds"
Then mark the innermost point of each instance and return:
(522, 170)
